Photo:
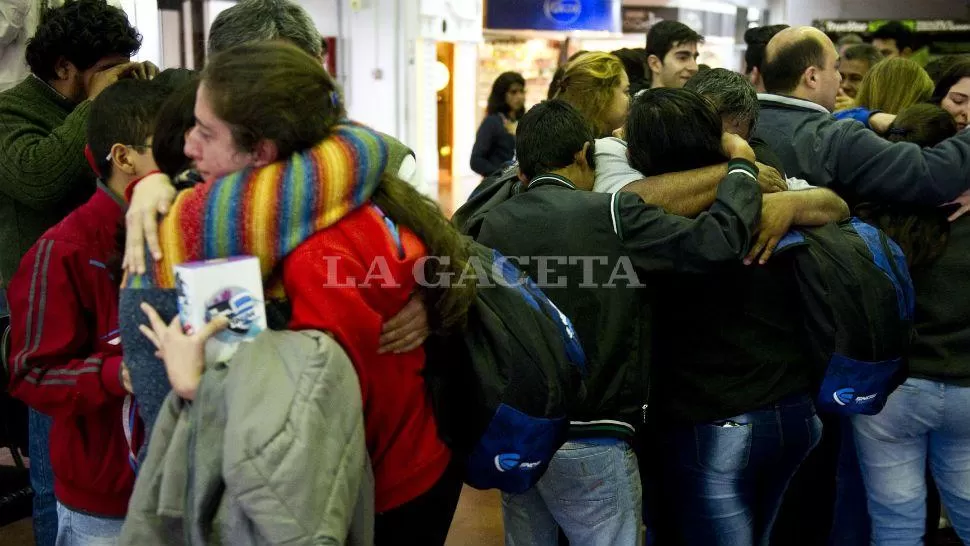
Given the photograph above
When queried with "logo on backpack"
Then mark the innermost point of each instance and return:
(844, 396)
(505, 462)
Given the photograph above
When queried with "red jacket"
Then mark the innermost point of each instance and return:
(66, 354)
(348, 280)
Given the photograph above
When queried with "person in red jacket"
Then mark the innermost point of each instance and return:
(346, 279)
(66, 350)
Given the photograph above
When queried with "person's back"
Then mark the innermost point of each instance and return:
(590, 253)
(335, 269)
(844, 155)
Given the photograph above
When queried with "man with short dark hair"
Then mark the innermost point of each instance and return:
(853, 66)
(78, 50)
(757, 40)
(894, 39)
(600, 247)
(672, 53)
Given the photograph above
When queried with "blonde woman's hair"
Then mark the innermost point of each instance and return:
(893, 85)
(588, 83)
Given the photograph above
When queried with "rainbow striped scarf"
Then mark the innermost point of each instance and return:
(267, 212)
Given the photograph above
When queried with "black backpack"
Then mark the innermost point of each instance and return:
(491, 192)
(857, 306)
(501, 389)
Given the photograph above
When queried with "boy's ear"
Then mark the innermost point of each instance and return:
(121, 159)
(582, 156)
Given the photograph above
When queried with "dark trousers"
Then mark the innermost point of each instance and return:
(424, 520)
(826, 501)
(727, 478)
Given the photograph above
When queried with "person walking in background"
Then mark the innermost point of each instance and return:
(495, 142)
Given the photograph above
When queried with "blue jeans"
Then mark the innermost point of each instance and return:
(42, 479)
(922, 419)
(591, 490)
(727, 478)
(77, 529)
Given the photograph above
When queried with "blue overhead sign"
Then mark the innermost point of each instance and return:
(601, 15)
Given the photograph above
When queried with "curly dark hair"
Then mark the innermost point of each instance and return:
(83, 32)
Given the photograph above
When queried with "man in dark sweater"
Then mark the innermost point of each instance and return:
(600, 247)
(77, 51)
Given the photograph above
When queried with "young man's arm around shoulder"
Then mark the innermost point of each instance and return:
(657, 240)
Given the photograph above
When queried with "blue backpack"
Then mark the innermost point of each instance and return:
(857, 306)
(501, 388)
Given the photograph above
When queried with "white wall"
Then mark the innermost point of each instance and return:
(145, 17)
(324, 14)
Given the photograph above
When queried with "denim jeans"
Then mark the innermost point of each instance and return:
(42, 479)
(922, 419)
(726, 479)
(591, 490)
(77, 529)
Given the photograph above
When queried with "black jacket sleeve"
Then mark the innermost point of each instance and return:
(488, 133)
(658, 241)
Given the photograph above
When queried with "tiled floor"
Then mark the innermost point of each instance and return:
(478, 520)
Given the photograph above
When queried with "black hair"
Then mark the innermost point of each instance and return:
(757, 39)
(895, 30)
(548, 137)
(923, 124)
(175, 118)
(665, 35)
(124, 113)
(921, 232)
(863, 52)
(670, 130)
(951, 76)
(496, 99)
(174, 79)
(635, 63)
(783, 72)
(938, 66)
(83, 32)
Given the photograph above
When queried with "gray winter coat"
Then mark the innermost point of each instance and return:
(270, 452)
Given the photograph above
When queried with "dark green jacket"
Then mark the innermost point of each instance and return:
(43, 172)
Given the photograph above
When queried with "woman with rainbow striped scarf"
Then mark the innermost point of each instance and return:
(318, 222)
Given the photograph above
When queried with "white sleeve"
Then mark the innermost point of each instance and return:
(613, 170)
(798, 184)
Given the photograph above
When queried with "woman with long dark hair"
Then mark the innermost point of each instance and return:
(495, 142)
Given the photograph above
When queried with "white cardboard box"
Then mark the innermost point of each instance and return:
(231, 287)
